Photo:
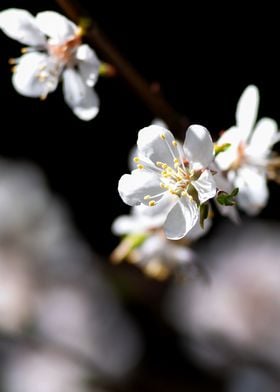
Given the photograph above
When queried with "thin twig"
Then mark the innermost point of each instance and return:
(96, 38)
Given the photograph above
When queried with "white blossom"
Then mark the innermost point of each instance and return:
(54, 53)
(159, 257)
(245, 161)
(166, 173)
(145, 245)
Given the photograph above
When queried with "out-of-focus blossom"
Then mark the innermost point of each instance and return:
(145, 245)
(159, 257)
(246, 160)
(253, 379)
(28, 370)
(233, 319)
(17, 291)
(169, 174)
(51, 280)
(68, 315)
(54, 52)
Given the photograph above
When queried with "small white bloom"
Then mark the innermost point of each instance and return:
(159, 257)
(173, 175)
(247, 157)
(55, 53)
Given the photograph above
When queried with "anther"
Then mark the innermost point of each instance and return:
(152, 203)
(140, 166)
(136, 159)
(162, 136)
(174, 143)
(147, 197)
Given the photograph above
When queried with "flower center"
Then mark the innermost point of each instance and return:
(241, 158)
(273, 169)
(176, 179)
(65, 51)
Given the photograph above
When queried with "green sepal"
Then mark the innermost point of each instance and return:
(227, 199)
(221, 148)
(203, 213)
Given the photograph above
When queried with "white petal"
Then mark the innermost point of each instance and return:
(198, 146)
(253, 192)
(20, 25)
(159, 211)
(25, 79)
(247, 110)
(135, 186)
(157, 247)
(179, 255)
(137, 221)
(205, 186)
(151, 145)
(263, 138)
(197, 231)
(82, 99)
(88, 64)
(234, 137)
(55, 26)
(125, 224)
(181, 218)
(151, 248)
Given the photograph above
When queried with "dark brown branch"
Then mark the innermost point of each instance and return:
(153, 100)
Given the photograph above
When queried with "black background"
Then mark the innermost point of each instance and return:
(203, 58)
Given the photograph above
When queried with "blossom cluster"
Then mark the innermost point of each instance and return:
(174, 182)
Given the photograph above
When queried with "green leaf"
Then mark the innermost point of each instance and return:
(227, 199)
(203, 213)
(221, 148)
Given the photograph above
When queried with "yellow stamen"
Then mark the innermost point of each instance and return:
(136, 159)
(152, 203)
(162, 136)
(140, 167)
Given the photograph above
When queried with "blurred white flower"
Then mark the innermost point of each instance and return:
(247, 157)
(85, 319)
(50, 279)
(233, 319)
(17, 291)
(141, 219)
(43, 371)
(159, 257)
(145, 245)
(173, 175)
(55, 52)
